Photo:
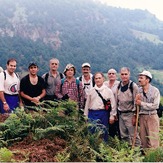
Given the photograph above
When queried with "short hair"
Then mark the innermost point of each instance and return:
(112, 70)
(125, 68)
(54, 59)
(11, 60)
(99, 73)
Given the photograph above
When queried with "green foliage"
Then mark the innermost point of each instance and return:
(64, 120)
(5, 155)
(154, 155)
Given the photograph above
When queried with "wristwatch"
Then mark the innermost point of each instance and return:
(4, 103)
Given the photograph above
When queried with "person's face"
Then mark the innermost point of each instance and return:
(143, 80)
(85, 71)
(125, 75)
(11, 67)
(99, 80)
(33, 70)
(54, 65)
(70, 72)
(112, 76)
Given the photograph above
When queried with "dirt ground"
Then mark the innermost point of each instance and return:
(43, 150)
(3, 117)
(29, 150)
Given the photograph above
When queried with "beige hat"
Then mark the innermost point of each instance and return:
(146, 73)
(86, 65)
(68, 66)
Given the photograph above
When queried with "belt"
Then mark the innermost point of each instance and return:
(127, 111)
(10, 94)
(96, 109)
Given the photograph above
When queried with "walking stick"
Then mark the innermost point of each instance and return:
(136, 126)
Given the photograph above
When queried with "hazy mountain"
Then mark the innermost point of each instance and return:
(79, 31)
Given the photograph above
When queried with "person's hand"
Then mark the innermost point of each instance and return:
(6, 107)
(35, 100)
(65, 97)
(111, 120)
(138, 99)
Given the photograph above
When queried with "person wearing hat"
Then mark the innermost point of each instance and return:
(32, 87)
(87, 78)
(70, 87)
(113, 83)
(9, 88)
(148, 101)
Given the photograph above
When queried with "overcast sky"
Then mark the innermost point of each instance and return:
(153, 6)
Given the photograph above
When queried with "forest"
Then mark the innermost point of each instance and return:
(80, 31)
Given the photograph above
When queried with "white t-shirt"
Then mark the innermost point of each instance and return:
(10, 85)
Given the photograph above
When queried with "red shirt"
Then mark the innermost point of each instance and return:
(71, 89)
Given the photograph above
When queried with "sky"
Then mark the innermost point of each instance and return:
(153, 6)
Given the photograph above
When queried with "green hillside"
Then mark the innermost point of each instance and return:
(77, 31)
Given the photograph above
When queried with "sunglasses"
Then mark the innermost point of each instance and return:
(111, 73)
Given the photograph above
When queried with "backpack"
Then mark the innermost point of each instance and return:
(77, 83)
(130, 86)
(46, 78)
(5, 75)
(93, 81)
(159, 110)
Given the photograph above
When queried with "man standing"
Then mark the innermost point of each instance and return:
(70, 87)
(126, 94)
(32, 87)
(148, 99)
(9, 88)
(113, 83)
(51, 78)
(95, 109)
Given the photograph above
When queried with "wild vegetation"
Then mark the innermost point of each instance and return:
(60, 133)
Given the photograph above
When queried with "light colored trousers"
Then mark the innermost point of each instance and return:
(149, 130)
(127, 129)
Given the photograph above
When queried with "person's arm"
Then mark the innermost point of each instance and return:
(58, 92)
(5, 105)
(41, 95)
(150, 105)
(2, 97)
(87, 104)
(113, 111)
(81, 95)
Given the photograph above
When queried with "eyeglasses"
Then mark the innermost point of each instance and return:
(111, 73)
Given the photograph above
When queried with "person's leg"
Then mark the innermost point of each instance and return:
(153, 131)
(143, 130)
(122, 127)
(13, 101)
(131, 130)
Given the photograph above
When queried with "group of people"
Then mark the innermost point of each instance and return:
(113, 104)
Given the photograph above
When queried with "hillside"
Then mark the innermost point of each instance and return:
(79, 31)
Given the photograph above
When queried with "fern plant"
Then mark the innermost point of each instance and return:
(5, 155)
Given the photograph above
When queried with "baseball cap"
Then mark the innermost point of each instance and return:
(86, 65)
(146, 73)
(32, 64)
